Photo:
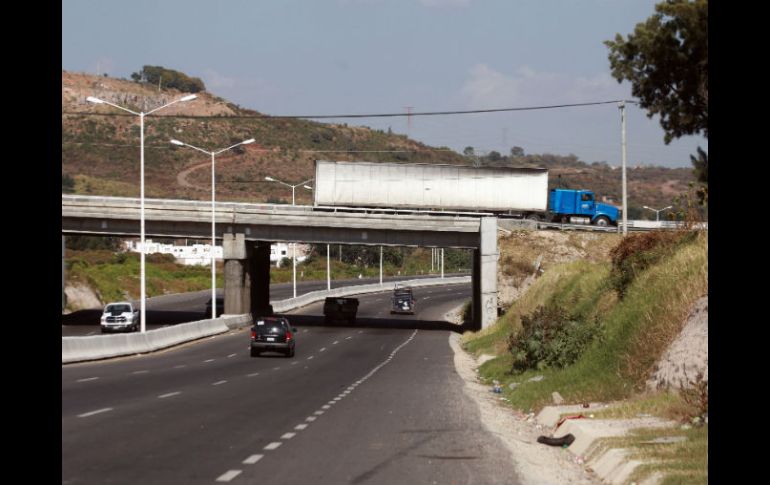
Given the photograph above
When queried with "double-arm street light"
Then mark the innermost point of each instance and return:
(271, 179)
(213, 215)
(293, 245)
(657, 211)
(141, 116)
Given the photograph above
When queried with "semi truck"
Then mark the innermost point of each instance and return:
(507, 192)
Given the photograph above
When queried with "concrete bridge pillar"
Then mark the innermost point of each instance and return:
(237, 282)
(485, 275)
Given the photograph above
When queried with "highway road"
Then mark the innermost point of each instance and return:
(188, 307)
(378, 402)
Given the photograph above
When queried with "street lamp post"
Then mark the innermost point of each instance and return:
(657, 211)
(213, 216)
(293, 245)
(141, 116)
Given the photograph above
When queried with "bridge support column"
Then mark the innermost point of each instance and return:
(259, 272)
(485, 275)
(236, 277)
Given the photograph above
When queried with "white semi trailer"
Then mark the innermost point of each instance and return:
(520, 192)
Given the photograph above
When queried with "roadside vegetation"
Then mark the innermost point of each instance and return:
(113, 275)
(593, 331)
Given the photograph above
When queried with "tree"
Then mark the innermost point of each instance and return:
(468, 152)
(494, 156)
(666, 61)
(701, 169)
(517, 152)
(170, 79)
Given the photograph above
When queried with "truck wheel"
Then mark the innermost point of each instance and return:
(533, 217)
(602, 221)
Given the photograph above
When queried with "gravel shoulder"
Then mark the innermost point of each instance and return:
(536, 464)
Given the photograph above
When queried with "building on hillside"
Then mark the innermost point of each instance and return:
(200, 254)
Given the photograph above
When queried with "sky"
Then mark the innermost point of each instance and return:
(329, 57)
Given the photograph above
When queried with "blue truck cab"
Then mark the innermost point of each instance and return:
(567, 205)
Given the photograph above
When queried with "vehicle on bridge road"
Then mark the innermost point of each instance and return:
(273, 334)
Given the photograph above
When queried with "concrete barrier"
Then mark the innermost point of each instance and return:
(95, 347)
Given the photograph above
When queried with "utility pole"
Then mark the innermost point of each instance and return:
(408, 119)
(622, 106)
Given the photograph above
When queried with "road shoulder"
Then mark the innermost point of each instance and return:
(536, 464)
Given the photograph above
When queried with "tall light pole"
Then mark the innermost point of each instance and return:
(293, 245)
(141, 116)
(213, 216)
(657, 211)
(622, 106)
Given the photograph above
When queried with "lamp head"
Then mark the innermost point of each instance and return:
(250, 140)
(189, 97)
(270, 179)
(94, 100)
(177, 142)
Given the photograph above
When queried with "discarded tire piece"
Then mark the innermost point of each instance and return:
(565, 440)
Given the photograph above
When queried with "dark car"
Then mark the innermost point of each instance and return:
(402, 301)
(220, 306)
(273, 334)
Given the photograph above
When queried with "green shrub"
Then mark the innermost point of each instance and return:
(550, 337)
(638, 252)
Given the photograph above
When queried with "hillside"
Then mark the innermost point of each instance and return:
(100, 150)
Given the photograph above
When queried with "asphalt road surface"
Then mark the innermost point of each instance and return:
(378, 402)
(189, 307)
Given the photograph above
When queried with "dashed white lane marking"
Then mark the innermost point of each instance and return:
(252, 375)
(300, 426)
(332, 402)
(91, 413)
(335, 342)
(325, 406)
(140, 372)
(252, 459)
(276, 368)
(304, 331)
(210, 360)
(288, 436)
(231, 355)
(336, 398)
(426, 298)
(310, 419)
(360, 331)
(180, 366)
(164, 396)
(87, 379)
(218, 383)
(294, 363)
(318, 413)
(322, 349)
(228, 475)
(273, 445)
(310, 357)
(348, 338)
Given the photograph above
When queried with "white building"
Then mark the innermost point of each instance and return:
(200, 254)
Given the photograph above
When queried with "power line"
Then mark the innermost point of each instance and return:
(371, 115)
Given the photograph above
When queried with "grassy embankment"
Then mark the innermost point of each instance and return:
(635, 331)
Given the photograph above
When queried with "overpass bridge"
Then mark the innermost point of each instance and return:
(247, 230)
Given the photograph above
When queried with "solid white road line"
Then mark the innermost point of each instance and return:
(252, 459)
(87, 379)
(140, 372)
(91, 413)
(229, 475)
(163, 396)
(218, 383)
(273, 445)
